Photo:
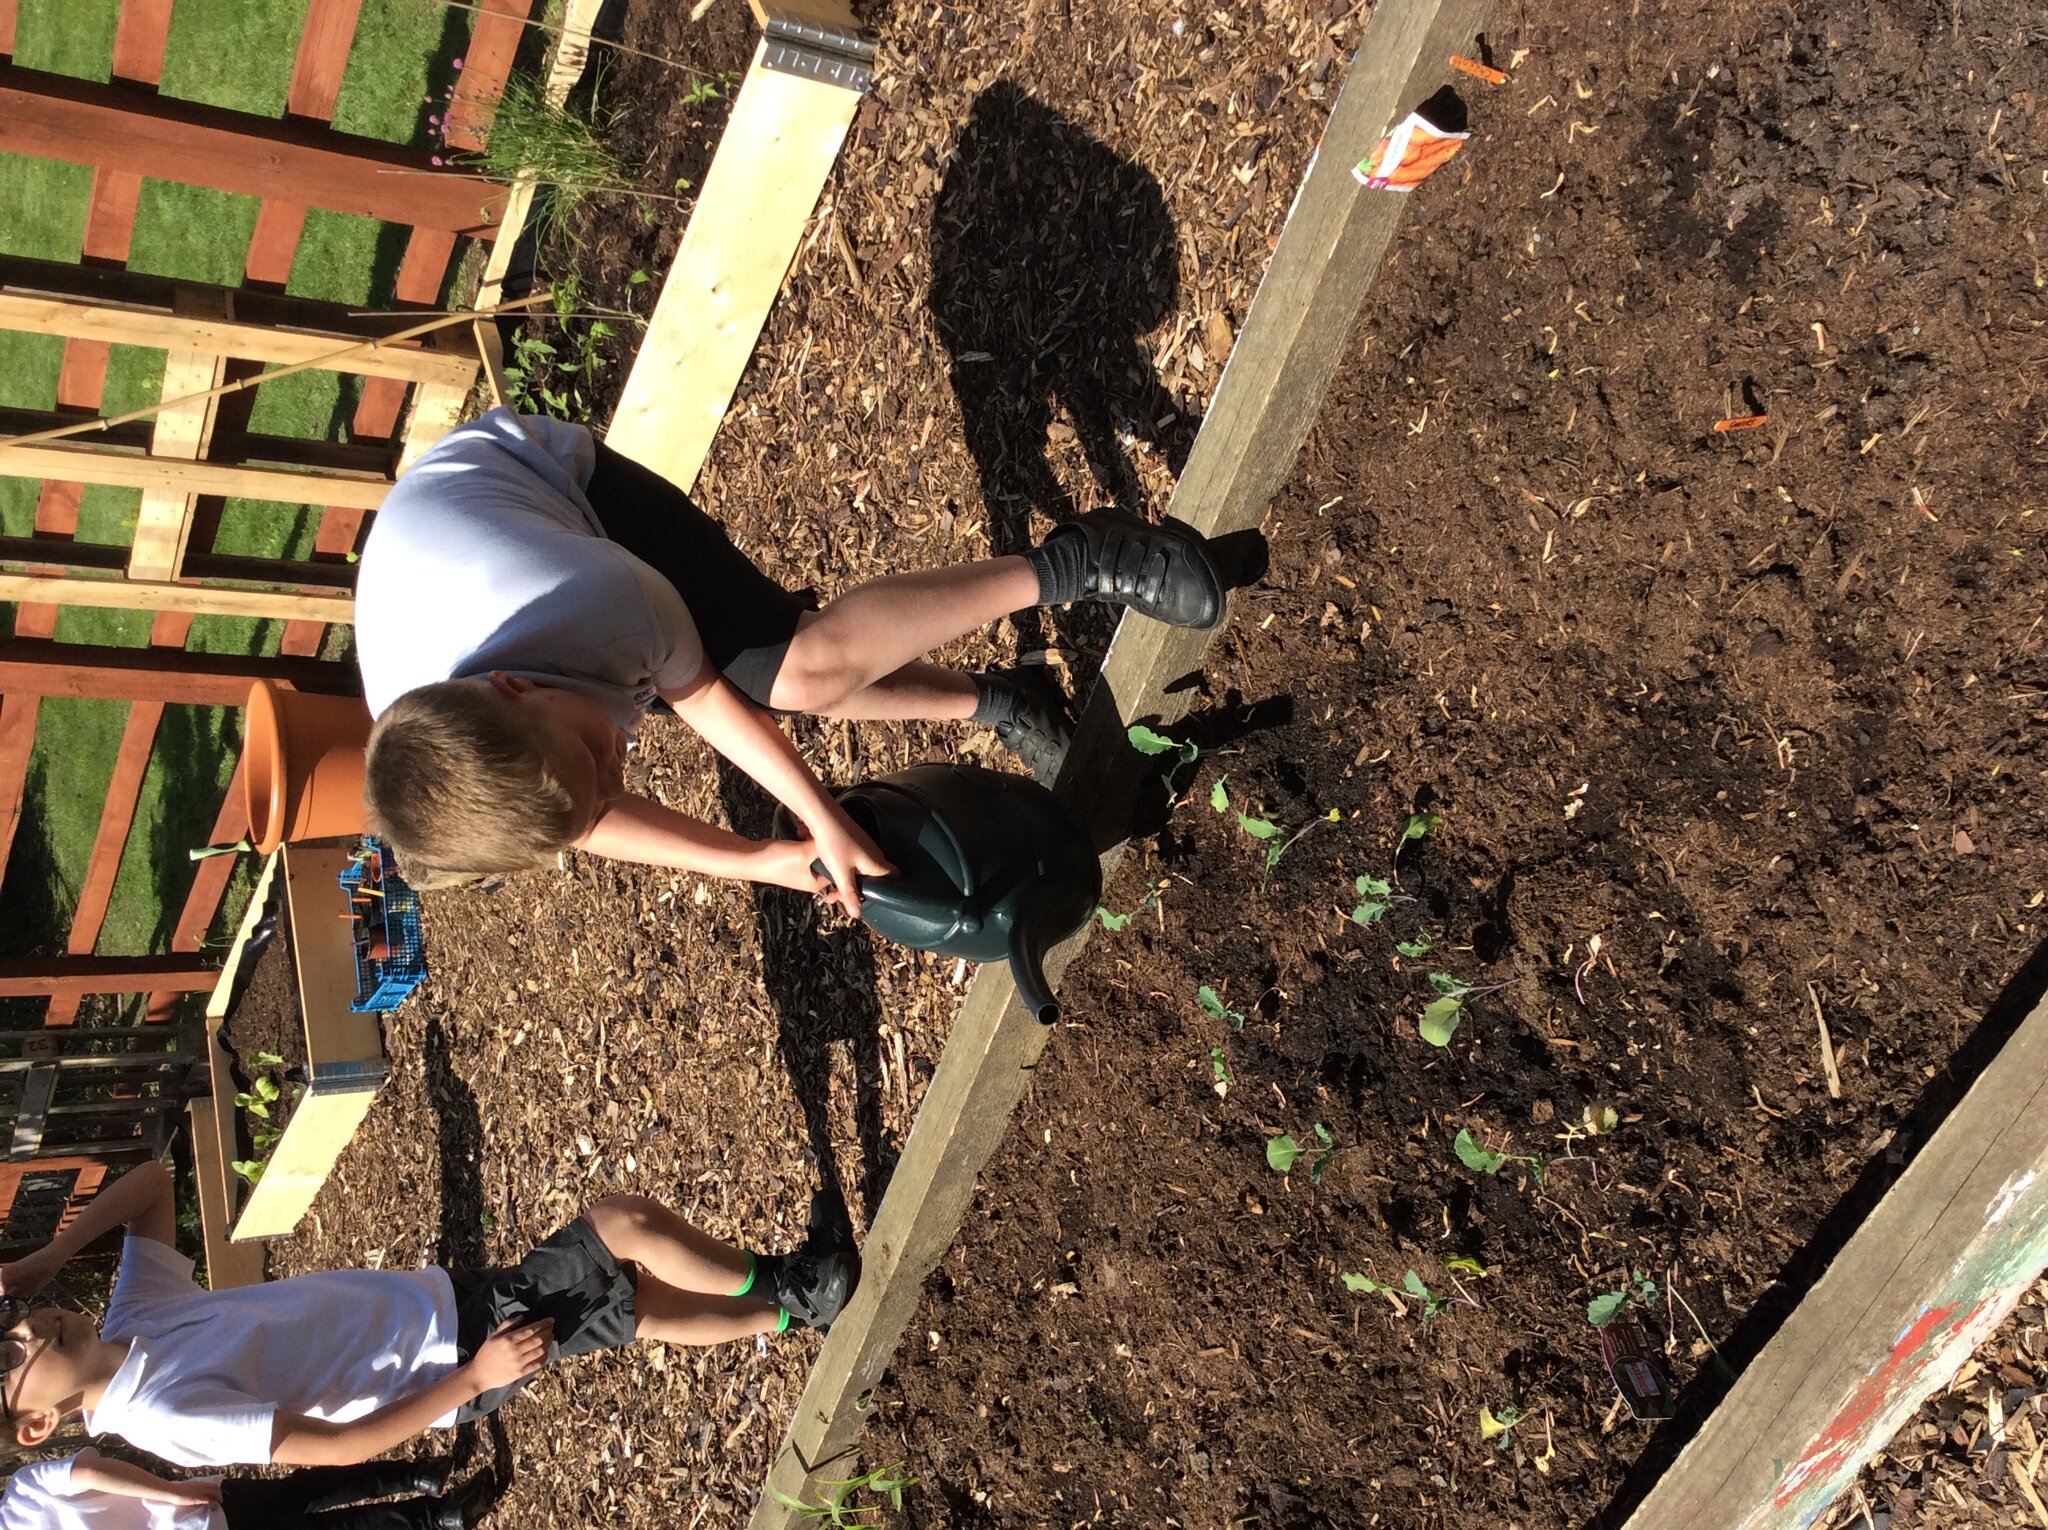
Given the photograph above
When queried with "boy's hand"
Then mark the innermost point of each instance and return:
(198, 1494)
(512, 1353)
(848, 855)
(25, 1276)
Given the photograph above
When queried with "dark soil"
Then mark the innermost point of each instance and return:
(1762, 713)
(1759, 710)
(266, 1018)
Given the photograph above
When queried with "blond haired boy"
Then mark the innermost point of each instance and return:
(526, 594)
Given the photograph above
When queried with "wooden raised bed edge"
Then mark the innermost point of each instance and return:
(1909, 1272)
(1265, 403)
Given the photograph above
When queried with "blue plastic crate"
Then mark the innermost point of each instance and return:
(390, 922)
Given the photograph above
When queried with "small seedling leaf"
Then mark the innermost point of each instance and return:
(1145, 741)
(1465, 1264)
(1490, 1427)
(1444, 983)
(266, 1089)
(1602, 1310)
(1113, 921)
(1473, 1156)
(1363, 1283)
(1418, 824)
(1282, 1153)
(1439, 1021)
(1212, 1003)
(1219, 799)
(1412, 1284)
(1419, 946)
(1371, 911)
(1257, 828)
(1373, 887)
(1323, 1135)
(268, 1060)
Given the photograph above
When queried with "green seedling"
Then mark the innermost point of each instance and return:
(1465, 1264)
(1375, 896)
(1418, 824)
(1485, 1161)
(1602, 1310)
(1411, 1285)
(833, 1509)
(258, 1099)
(1283, 1153)
(1495, 1426)
(1146, 741)
(1221, 1070)
(1421, 945)
(1113, 921)
(1443, 1014)
(209, 851)
(1214, 1007)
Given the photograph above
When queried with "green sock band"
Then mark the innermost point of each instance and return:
(782, 1321)
(753, 1268)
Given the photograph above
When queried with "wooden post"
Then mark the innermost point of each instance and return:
(161, 313)
(1947, 1253)
(163, 521)
(1265, 403)
(46, 977)
(38, 667)
(83, 464)
(134, 130)
(194, 599)
(779, 145)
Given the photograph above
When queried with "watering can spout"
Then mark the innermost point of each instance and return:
(1029, 937)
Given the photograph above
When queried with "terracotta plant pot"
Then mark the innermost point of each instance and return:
(302, 765)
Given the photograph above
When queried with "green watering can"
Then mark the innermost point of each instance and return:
(992, 867)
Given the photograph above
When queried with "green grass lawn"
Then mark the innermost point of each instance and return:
(236, 54)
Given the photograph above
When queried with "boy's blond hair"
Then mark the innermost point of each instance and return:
(456, 782)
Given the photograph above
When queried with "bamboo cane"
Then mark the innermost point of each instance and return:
(439, 321)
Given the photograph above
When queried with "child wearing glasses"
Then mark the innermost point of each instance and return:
(333, 1368)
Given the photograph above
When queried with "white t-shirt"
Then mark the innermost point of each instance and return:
(486, 555)
(41, 1497)
(208, 1371)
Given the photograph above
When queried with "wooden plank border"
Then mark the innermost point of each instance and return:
(778, 149)
(1266, 401)
(1927, 1277)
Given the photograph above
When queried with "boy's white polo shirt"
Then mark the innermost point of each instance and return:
(41, 1497)
(207, 1372)
(486, 554)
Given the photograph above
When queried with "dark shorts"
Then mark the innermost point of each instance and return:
(571, 1278)
(745, 618)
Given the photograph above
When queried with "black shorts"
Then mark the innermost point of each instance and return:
(571, 1278)
(745, 618)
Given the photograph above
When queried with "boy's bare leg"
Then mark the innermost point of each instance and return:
(669, 1316)
(877, 628)
(644, 1232)
(918, 689)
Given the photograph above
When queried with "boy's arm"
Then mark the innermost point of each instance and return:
(754, 741)
(506, 1356)
(141, 1200)
(93, 1473)
(638, 829)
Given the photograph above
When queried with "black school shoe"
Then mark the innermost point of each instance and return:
(1038, 730)
(1162, 571)
(813, 1286)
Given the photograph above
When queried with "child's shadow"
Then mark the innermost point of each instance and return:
(822, 984)
(461, 1244)
(1051, 257)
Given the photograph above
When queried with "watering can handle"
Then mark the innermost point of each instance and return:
(906, 898)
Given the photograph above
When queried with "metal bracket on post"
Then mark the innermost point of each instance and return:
(827, 54)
